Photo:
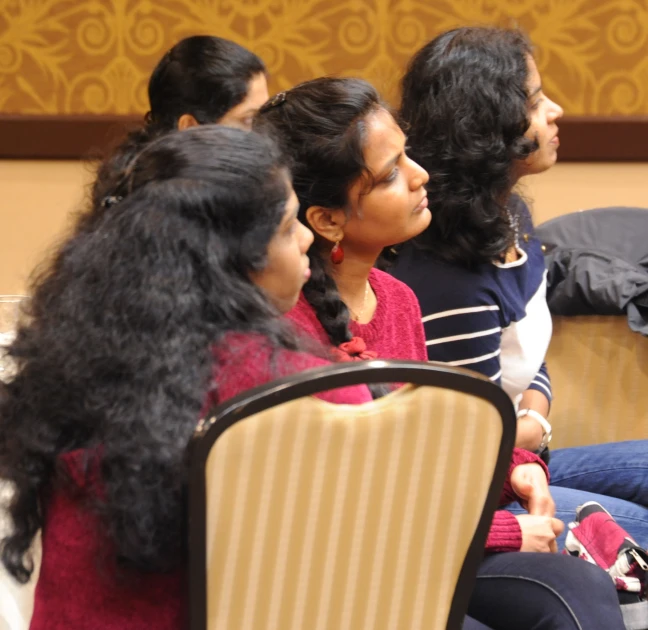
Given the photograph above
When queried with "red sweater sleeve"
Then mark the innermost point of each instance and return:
(520, 456)
(505, 533)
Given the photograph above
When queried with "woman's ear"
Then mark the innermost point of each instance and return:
(186, 121)
(327, 223)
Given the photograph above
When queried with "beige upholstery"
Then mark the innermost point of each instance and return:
(599, 375)
(347, 517)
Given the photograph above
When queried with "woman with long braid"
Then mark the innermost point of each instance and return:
(356, 200)
(359, 192)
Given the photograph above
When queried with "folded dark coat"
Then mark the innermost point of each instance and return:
(597, 263)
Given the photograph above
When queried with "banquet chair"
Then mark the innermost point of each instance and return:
(305, 514)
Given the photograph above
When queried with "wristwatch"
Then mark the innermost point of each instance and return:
(542, 421)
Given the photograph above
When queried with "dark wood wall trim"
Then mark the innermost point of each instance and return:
(582, 138)
(603, 139)
(61, 137)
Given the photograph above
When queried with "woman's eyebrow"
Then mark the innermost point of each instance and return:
(536, 91)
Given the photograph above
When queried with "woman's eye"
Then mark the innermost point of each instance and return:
(392, 176)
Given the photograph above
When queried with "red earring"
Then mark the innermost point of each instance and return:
(337, 253)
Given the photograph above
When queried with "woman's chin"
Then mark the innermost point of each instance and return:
(423, 219)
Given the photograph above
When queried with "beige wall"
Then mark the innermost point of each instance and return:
(571, 187)
(36, 199)
(36, 202)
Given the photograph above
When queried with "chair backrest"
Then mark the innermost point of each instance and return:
(305, 514)
(599, 376)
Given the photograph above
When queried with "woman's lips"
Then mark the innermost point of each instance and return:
(422, 205)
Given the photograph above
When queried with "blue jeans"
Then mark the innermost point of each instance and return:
(543, 591)
(613, 474)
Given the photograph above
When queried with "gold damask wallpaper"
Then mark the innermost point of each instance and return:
(94, 56)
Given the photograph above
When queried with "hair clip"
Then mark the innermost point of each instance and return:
(276, 100)
(111, 200)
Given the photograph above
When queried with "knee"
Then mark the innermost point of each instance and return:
(597, 580)
(597, 584)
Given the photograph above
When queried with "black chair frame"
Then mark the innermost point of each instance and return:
(310, 382)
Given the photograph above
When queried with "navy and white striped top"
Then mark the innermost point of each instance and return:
(492, 319)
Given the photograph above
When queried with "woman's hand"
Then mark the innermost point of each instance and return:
(539, 533)
(529, 482)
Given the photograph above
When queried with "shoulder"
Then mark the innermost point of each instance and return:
(391, 288)
(244, 361)
(304, 318)
(520, 209)
(439, 285)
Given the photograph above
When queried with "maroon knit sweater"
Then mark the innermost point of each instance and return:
(396, 332)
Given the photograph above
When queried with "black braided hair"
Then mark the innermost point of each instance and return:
(320, 124)
(322, 294)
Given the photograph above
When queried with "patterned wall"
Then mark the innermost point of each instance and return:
(94, 56)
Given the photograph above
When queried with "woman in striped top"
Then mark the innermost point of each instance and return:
(478, 120)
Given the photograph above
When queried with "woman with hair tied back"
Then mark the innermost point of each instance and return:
(148, 315)
(201, 80)
(359, 192)
(478, 120)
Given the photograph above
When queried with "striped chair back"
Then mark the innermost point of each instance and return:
(309, 515)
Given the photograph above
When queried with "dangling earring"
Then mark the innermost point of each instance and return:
(337, 253)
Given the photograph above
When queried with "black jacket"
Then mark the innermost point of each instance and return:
(598, 263)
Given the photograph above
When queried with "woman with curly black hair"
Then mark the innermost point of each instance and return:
(478, 120)
(359, 191)
(202, 79)
(165, 304)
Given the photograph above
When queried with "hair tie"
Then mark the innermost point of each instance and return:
(111, 200)
(354, 350)
(275, 101)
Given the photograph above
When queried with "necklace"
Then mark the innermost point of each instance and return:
(358, 316)
(514, 224)
(511, 254)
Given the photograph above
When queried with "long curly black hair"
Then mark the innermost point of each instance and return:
(114, 354)
(465, 110)
(320, 125)
(201, 75)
